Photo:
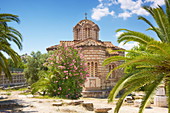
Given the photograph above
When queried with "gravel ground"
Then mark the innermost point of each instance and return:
(32, 105)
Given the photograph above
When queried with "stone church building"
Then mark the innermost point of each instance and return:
(95, 51)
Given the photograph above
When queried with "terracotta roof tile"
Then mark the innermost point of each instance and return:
(89, 42)
(86, 42)
(52, 47)
(108, 44)
(67, 43)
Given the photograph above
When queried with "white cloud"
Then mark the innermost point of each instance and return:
(125, 15)
(155, 3)
(128, 4)
(118, 34)
(103, 9)
(99, 12)
(128, 8)
(140, 11)
(128, 46)
(100, 0)
(108, 2)
(131, 7)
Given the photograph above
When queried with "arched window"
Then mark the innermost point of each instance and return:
(112, 75)
(88, 32)
(92, 68)
(89, 71)
(113, 72)
(96, 34)
(77, 33)
(95, 69)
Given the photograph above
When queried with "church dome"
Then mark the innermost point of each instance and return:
(86, 29)
(84, 22)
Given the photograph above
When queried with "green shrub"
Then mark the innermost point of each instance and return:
(66, 74)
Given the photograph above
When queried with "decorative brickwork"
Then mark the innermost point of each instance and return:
(95, 52)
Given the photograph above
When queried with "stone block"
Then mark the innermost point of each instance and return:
(138, 102)
(67, 102)
(102, 110)
(160, 91)
(128, 99)
(77, 102)
(88, 106)
(57, 104)
(160, 101)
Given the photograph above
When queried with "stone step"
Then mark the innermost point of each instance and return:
(102, 110)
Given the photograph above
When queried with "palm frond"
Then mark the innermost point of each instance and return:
(167, 3)
(16, 32)
(9, 17)
(150, 24)
(118, 87)
(112, 59)
(158, 47)
(161, 35)
(134, 36)
(4, 66)
(162, 21)
(133, 87)
(150, 91)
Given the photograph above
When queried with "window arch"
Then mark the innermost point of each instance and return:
(95, 69)
(111, 67)
(77, 33)
(92, 68)
(87, 32)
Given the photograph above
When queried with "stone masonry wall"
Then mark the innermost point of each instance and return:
(98, 54)
(18, 79)
(103, 85)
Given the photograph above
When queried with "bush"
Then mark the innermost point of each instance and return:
(67, 73)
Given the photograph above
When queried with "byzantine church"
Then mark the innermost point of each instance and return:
(95, 51)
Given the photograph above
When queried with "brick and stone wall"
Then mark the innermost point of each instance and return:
(17, 79)
(97, 85)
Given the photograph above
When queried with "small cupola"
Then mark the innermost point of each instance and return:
(86, 29)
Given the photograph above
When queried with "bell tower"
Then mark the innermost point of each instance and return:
(86, 29)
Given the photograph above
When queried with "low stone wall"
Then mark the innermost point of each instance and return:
(96, 94)
(17, 79)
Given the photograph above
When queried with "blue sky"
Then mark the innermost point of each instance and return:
(45, 22)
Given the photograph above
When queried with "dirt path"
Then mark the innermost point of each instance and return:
(32, 105)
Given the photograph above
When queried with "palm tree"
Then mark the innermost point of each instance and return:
(8, 35)
(152, 67)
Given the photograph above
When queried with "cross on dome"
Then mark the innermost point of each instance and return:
(85, 15)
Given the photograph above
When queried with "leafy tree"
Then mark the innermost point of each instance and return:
(8, 35)
(66, 74)
(131, 68)
(34, 66)
(12, 65)
(152, 66)
(20, 66)
(140, 48)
